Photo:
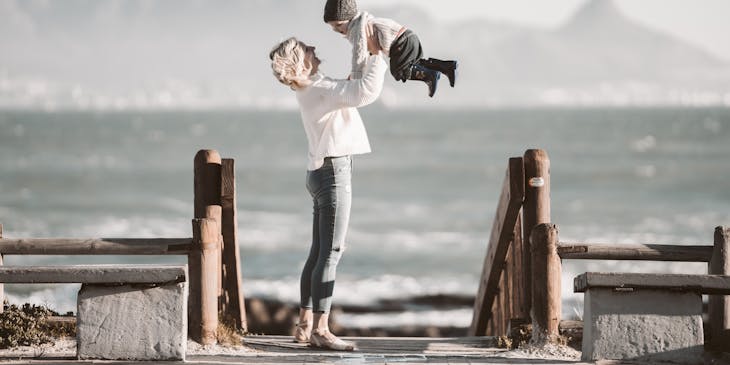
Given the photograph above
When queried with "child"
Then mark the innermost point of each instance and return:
(400, 44)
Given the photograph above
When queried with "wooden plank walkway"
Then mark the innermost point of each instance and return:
(376, 350)
(281, 350)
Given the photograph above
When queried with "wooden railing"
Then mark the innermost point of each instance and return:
(521, 275)
(717, 256)
(213, 257)
(506, 285)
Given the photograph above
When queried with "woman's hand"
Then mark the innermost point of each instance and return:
(372, 39)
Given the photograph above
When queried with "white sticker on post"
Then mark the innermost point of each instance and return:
(537, 182)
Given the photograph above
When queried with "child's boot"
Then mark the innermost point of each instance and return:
(448, 68)
(427, 75)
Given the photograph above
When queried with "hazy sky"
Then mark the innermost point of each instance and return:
(704, 22)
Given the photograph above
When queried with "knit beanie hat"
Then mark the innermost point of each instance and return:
(337, 10)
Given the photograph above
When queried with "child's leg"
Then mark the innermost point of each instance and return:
(405, 52)
(448, 68)
(406, 56)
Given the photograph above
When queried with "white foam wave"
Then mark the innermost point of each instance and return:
(402, 241)
(644, 144)
(270, 231)
(60, 297)
(366, 291)
(134, 226)
(439, 318)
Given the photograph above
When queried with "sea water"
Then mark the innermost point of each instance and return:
(423, 201)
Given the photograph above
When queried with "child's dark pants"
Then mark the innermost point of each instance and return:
(405, 51)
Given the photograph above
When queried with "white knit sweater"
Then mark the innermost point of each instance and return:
(332, 124)
(385, 29)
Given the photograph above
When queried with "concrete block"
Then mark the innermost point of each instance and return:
(644, 325)
(132, 322)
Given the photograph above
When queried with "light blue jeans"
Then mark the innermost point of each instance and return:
(331, 190)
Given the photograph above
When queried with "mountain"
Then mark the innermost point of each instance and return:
(599, 56)
(206, 54)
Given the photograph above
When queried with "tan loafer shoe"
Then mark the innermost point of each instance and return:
(327, 340)
(303, 332)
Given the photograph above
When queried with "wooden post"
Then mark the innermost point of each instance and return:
(215, 212)
(546, 270)
(206, 256)
(232, 307)
(2, 287)
(206, 187)
(719, 305)
(207, 177)
(536, 207)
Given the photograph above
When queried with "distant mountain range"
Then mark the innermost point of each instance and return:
(210, 54)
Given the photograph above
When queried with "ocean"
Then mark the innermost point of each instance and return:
(423, 201)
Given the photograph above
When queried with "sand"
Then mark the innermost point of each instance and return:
(66, 347)
(546, 352)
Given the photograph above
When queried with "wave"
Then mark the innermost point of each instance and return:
(365, 291)
(439, 318)
(59, 297)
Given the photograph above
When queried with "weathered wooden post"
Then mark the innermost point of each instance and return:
(719, 305)
(205, 254)
(232, 304)
(536, 206)
(207, 190)
(2, 287)
(546, 271)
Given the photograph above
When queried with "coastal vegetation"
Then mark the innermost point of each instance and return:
(31, 325)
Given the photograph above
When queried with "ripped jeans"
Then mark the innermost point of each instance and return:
(331, 190)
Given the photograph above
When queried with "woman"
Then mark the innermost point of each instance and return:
(335, 132)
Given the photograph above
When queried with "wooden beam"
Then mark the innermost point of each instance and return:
(94, 274)
(719, 305)
(232, 308)
(701, 284)
(505, 218)
(648, 252)
(95, 246)
(510, 304)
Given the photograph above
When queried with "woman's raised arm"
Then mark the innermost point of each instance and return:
(364, 91)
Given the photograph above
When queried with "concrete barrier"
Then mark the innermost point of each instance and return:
(129, 322)
(644, 317)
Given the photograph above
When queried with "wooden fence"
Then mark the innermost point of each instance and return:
(212, 251)
(521, 276)
(506, 285)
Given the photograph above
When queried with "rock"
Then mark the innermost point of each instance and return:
(273, 317)
(270, 317)
(132, 323)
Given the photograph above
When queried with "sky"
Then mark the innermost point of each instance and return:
(703, 22)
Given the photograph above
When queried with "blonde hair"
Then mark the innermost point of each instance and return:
(287, 62)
